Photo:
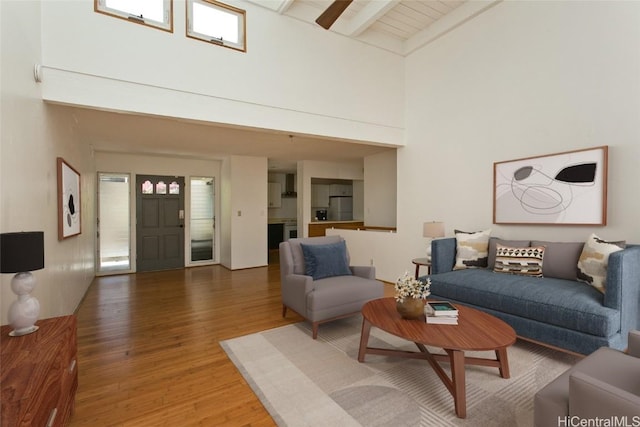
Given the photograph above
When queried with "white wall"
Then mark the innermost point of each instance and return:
(225, 213)
(380, 187)
(280, 83)
(162, 165)
(522, 79)
(367, 247)
(294, 77)
(32, 136)
(244, 214)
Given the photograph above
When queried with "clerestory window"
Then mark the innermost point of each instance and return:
(154, 13)
(216, 23)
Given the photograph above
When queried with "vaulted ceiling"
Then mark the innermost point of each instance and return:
(400, 26)
(401, 19)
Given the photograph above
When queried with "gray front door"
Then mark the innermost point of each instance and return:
(160, 222)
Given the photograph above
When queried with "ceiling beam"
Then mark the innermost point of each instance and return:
(284, 5)
(449, 22)
(279, 6)
(368, 15)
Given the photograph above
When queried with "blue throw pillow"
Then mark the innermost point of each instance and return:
(326, 260)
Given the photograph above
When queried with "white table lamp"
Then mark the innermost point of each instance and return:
(22, 253)
(432, 230)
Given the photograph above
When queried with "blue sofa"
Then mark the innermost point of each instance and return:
(561, 313)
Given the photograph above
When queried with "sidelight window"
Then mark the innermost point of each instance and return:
(202, 219)
(113, 222)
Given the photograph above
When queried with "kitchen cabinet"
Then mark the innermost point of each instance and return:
(341, 190)
(275, 195)
(275, 235)
(320, 195)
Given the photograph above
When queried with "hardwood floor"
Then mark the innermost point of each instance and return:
(149, 353)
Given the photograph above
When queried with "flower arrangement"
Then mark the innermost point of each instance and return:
(409, 287)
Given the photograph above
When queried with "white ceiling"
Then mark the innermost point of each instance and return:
(402, 19)
(396, 25)
(138, 134)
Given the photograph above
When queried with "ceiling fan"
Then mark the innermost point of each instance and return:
(332, 13)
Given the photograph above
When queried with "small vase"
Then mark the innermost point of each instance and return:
(411, 308)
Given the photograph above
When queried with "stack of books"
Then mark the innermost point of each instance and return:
(441, 313)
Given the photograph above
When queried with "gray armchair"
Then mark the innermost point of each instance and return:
(341, 293)
(604, 384)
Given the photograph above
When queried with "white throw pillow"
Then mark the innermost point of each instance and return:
(594, 259)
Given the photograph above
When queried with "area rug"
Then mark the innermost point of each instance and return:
(302, 382)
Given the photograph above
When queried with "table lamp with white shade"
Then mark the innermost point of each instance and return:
(22, 253)
(432, 230)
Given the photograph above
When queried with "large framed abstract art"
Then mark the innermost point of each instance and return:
(568, 188)
(69, 223)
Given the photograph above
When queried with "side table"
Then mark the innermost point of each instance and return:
(421, 262)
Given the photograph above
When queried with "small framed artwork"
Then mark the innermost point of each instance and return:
(69, 223)
(568, 188)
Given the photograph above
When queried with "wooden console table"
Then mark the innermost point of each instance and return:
(39, 374)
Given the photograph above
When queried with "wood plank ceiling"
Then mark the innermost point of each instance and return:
(409, 17)
(404, 18)
(386, 23)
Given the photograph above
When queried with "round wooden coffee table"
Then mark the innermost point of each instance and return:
(475, 331)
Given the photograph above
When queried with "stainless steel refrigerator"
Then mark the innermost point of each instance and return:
(340, 208)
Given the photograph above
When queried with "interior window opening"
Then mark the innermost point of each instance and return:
(154, 13)
(216, 23)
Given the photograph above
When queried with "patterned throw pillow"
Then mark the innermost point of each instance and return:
(472, 249)
(493, 241)
(594, 259)
(522, 261)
